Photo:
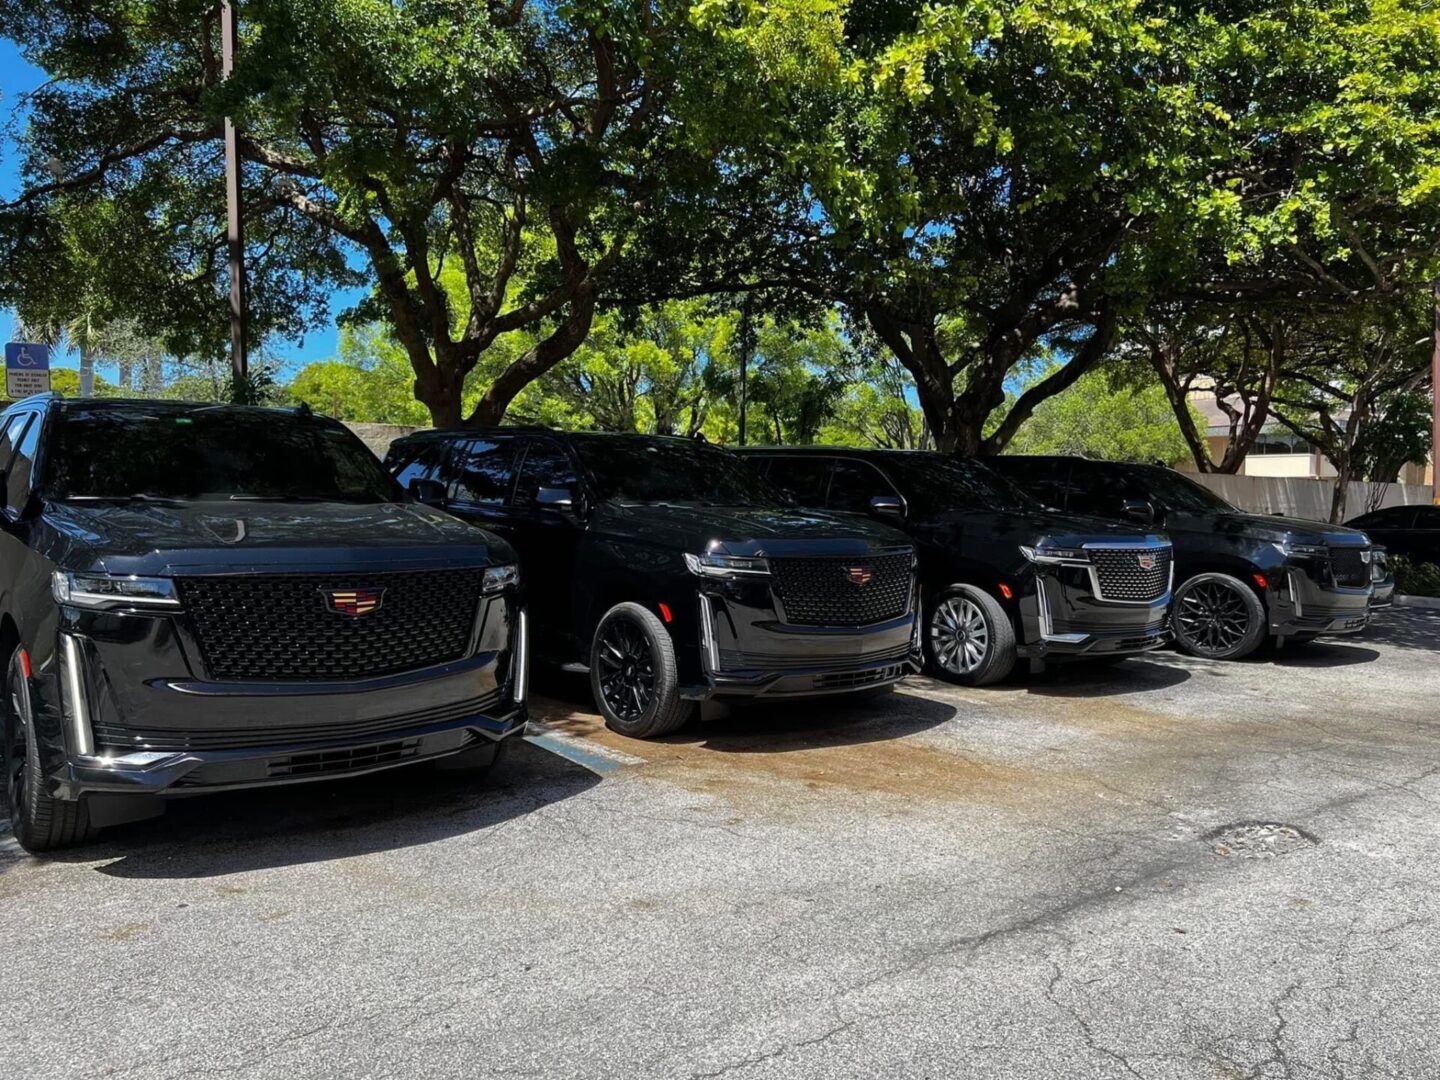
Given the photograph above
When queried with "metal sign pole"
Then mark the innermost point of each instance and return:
(234, 217)
(1435, 406)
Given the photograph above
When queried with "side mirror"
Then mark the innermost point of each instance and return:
(555, 498)
(889, 506)
(1138, 510)
(429, 492)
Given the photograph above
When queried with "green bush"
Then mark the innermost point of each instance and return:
(1415, 579)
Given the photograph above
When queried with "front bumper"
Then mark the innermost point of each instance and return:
(1061, 617)
(122, 711)
(1299, 604)
(746, 651)
(189, 772)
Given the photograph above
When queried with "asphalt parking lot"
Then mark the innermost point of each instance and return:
(1060, 877)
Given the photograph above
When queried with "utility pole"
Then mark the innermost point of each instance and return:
(746, 347)
(234, 216)
(1435, 405)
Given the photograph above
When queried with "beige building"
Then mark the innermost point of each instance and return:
(1278, 451)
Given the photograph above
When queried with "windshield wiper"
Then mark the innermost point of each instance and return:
(139, 496)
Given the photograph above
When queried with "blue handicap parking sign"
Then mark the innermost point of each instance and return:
(23, 356)
(27, 369)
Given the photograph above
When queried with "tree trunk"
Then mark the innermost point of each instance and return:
(87, 372)
(1340, 494)
(441, 390)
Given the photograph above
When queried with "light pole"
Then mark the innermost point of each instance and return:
(234, 217)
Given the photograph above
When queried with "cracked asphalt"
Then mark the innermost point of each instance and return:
(1028, 881)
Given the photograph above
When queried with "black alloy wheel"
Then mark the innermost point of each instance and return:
(39, 821)
(633, 674)
(1217, 617)
(627, 671)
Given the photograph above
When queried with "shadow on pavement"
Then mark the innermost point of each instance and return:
(815, 723)
(1406, 628)
(1078, 679)
(229, 833)
(1320, 654)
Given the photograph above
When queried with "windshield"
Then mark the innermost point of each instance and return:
(1169, 489)
(673, 471)
(208, 452)
(935, 483)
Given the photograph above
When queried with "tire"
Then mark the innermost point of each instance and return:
(1217, 617)
(633, 674)
(969, 639)
(40, 822)
(477, 761)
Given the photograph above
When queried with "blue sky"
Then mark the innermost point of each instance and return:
(18, 77)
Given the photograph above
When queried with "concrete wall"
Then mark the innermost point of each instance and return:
(379, 436)
(1303, 498)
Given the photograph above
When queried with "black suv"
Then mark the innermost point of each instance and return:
(1238, 576)
(1001, 577)
(671, 572)
(199, 597)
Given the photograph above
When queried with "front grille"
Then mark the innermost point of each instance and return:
(281, 627)
(331, 761)
(1121, 576)
(1349, 568)
(854, 680)
(125, 739)
(840, 591)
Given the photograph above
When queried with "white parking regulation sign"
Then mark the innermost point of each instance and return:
(27, 369)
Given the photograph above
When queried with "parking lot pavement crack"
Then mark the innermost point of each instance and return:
(1276, 1041)
(787, 1048)
(1087, 1031)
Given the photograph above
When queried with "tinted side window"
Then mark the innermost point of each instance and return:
(546, 465)
(854, 483)
(806, 478)
(18, 480)
(1427, 517)
(484, 472)
(1100, 491)
(14, 425)
(1392, 517)
(416, 461)
(1048, 481)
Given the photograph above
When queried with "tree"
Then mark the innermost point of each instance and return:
(1101, 416)
(1351, 386)
(972, 182)
(658, 370)
(511, 145)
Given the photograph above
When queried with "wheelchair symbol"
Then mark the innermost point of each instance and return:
(24, 359)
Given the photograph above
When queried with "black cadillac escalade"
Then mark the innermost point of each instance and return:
(672, 572)
(1239, 577)
(1001, 577)
(197, 597)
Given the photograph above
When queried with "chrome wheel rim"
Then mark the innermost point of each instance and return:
(18, 744)
(1212, 617)
(627, 670)
(959, 635)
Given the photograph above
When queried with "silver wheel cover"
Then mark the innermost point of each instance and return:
(959, 637)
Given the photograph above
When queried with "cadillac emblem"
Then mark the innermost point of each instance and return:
(353, 602)
(1146, 561)
(859, 575)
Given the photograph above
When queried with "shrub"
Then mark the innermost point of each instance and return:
(1415, 579)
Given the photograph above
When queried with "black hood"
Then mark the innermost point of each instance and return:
(227, 536)
(1266, 527)
(752, 531)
